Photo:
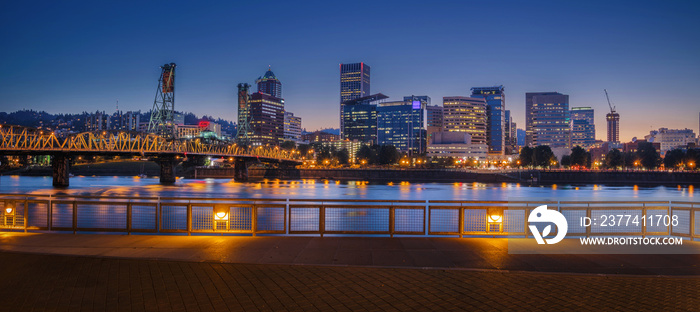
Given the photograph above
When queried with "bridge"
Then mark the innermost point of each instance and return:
(16, 140)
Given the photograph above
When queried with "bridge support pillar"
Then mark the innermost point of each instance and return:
(60, 165)
(167, 169)
(240, 170)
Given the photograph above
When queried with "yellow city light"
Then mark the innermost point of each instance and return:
(496, 218)
(9, 211)
(221, 216)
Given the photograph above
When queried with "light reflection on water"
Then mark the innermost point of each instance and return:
(328, 189)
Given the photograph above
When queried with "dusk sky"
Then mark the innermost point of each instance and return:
(68, 56)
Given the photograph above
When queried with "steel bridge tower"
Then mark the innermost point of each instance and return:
(162, 120)
(244, 115)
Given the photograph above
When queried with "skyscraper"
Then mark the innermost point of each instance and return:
(548, 119)
(403, 124)
(495, 114)
(434, 120)
(292, 127)
(267, 119)
(613, 119)
(354, 84)
(582, 126)
(359, 118)
(465, 114)
(269, 84)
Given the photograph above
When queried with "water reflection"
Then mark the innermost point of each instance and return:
(331, 189)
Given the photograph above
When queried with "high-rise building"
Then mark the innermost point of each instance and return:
(354, 84)
(292, 127)
(435, 119)
(495, 114)
(359, 119)
(128, 121)
(582, 126)
(403, 124)
(613, 120)
(266, 119)
(548, 119)
(269, 84)
(465, 114)
(99, 121)
(509, 142)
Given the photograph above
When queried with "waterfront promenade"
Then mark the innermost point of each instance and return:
(62, 272)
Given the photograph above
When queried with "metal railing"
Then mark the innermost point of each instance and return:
(320, 217)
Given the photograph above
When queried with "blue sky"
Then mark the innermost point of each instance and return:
(84, 56)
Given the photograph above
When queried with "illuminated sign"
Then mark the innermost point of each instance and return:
(416, 104)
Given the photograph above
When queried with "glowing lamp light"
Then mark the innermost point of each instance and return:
(221, 216)
(9, 211)
(496, 218)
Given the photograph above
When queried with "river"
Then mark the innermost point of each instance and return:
(329, 189)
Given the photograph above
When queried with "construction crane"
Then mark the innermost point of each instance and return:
(613, 120)
(612, 108)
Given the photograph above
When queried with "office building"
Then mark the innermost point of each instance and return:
(582, 126)
(669, 139)
(434, 121)
(292, 127)
(266, 119)
(495, 115)
(320, 136)
(354, 84)
(359, 119)
(548, 119)
(269, 84)
(509, 134)
(403, 124)
(351, 146)
(465, 114)
(456, 145)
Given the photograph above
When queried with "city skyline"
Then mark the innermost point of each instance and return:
(85, 58)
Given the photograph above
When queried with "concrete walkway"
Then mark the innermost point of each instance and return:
(66, 272)
(412, 252)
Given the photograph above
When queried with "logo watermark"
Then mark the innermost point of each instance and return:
(541, 215)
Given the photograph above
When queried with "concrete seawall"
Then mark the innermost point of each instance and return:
(626, 177)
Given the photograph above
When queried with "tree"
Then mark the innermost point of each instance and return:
(542, 156)
(648, 155)
(288, 145)
(367, 154)
(579, 157)
(674, 158)
(629, 159)
(614, 159)
(304, 149)
(692, 157)
(526, 156)
(566, 160)
(388, 155)
(342, 156)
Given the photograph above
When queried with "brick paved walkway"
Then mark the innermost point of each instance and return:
(71, 283)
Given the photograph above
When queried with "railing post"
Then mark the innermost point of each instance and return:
(460, 226)
(426, 218)
(392, 214)
(75, 216)
(322, 219)
(588, 215)
(254, 215)
(288, 217)
(692, 222)
(49, 213)
(128, 217)
(189, 218)
(158, 215)
(644, 223)
(26, 213)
